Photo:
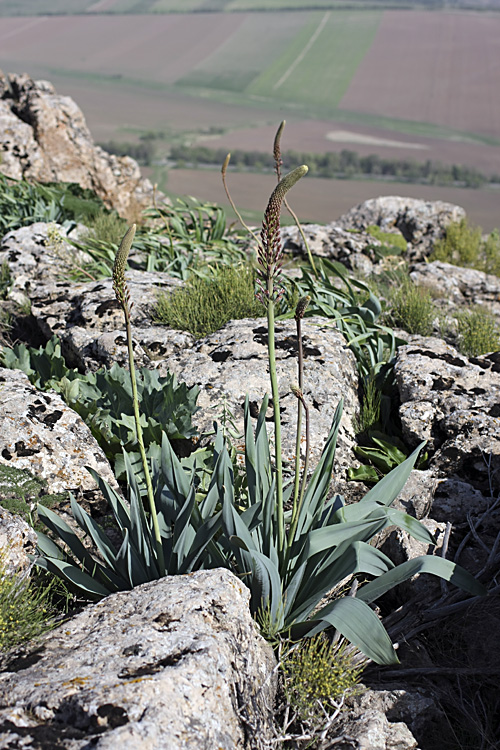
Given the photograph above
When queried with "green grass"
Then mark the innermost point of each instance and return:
(320, 60)
(26, 610)
(412, 309)
(239, 61)
(203, 306)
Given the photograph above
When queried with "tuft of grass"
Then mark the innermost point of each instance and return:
(478, 332)
(26, 610)
(412, 308)
(315, 673)
(5, 279)
(369, 413)
(204, 305)
(107, 227)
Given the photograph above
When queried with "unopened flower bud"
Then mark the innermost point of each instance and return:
(302, 307)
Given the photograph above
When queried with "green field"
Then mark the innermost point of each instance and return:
(317, 65)
(308, 60)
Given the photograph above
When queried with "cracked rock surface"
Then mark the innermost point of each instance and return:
(166, 665)
(233, 362)
(38, 432)
(453, 403)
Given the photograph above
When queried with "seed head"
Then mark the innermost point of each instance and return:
(270, 250)
(120, 266)
(302, 307)
(278, 161)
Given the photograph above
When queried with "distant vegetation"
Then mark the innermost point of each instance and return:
(345, 163)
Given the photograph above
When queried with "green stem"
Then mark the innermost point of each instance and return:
(277, 417)
(299, 421)
(140, 441)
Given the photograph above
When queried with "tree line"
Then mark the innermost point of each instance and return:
(341, 164)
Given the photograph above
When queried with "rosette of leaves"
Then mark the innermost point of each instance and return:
(330, 543)
(186, 526)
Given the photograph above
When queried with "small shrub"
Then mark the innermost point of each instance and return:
(20, 492)
(203, 305)
(5, 279)
(491, 250)
(412, 309)
(315, 673)
(478, 333)
(460, 246)
(25, 609)
(464, 246)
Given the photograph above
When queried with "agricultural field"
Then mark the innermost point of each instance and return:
(446, 72)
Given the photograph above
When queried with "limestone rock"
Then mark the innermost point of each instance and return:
(233, 362)
(17, 541)
(38, 252)
(168, 664)
(353, 249)
(385, 720)
(45, 138)
(420, 222)
(454, 286)
(90, 323)
(454, 404)
(38, 432)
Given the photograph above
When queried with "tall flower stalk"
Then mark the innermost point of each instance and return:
(270, 258)
(122, 294)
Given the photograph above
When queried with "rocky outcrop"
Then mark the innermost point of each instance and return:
(45, 138)
(379, 720)
(174, 663)
(420, 222)
(355, 250)
(39, 433)
(90, 323)
(453, 286)
(233, 362)
(454, 404)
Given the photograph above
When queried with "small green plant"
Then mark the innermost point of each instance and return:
(106, 227)
(412, 308)
(463, 245)
(204, 305)
(316, 673)
(20, 492)
(478, 332)
(369, 413)
(25, 609)
(5, 279)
